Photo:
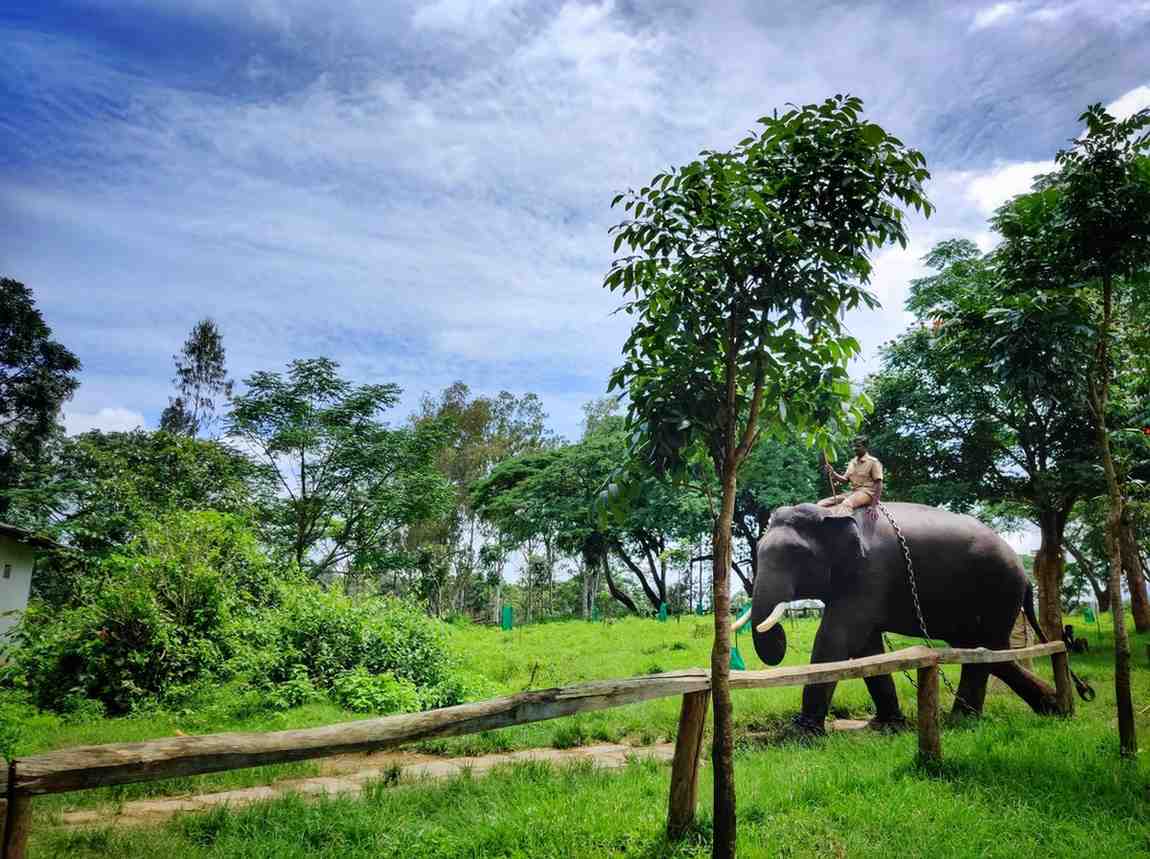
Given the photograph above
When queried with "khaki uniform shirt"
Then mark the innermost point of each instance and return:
(865, 473)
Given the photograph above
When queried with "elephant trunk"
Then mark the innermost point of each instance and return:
(767, 609)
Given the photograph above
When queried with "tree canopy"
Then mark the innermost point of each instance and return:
(348, 485)
(37, 376)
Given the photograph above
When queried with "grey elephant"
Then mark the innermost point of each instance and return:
(969, 581)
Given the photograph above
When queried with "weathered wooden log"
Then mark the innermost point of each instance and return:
(980, 655)
(829, 672)
(17, 822)
(124, 763)
(685, 765)
(929, 738)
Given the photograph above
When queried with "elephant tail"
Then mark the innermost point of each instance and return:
(1085, 691)
(1028, 607)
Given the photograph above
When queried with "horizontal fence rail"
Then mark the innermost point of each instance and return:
(87, 767)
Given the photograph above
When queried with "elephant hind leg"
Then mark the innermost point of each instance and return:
(1039, 694)
(971, 691)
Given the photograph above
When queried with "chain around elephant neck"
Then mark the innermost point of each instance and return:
(909, 571)
(914, 596)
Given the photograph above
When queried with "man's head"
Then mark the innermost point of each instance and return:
(860, 445)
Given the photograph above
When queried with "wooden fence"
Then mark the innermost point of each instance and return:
(123, 763)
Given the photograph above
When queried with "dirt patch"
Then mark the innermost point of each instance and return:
(346, 775)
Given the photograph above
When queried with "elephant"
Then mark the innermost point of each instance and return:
(970, 585)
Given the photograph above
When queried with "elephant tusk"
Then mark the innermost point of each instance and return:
(772, 618)
(741, 622)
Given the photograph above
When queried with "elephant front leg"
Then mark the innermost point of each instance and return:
(888, 714)
(833, 642)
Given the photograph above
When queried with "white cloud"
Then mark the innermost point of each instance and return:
(427, 200)
(459, 15)
(995, 14)
(991, 188)
(1131, 102)
(107, 419)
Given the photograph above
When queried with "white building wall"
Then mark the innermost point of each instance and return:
(16, 560)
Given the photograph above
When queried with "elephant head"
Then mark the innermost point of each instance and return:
(806, 553)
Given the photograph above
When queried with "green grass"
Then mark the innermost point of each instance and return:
(1011, 784)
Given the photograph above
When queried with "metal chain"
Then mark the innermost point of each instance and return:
(913, 588)
(914, 596)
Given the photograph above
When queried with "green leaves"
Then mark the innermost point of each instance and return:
(740, 265)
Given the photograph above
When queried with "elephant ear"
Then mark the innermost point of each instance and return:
(844, 540)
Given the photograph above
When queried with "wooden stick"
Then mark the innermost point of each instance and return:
(929, 739)
(1064, 689)
(18, 821)
(685, 766)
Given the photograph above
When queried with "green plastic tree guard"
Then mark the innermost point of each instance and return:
(506, 620)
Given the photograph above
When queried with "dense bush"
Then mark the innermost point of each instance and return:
(193, 600)
(327, 634)
(164, 613)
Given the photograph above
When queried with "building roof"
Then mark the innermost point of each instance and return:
(30, 538)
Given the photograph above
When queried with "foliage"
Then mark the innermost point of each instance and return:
(165, 613)
(464, 558)
(349, 484)
(361, 691)
(551, 495)
(37, 375)
(102, 490)
(326, 634)
(201, 379)
(740, 264)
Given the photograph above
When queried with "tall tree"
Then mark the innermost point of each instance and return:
(982, 400)
(37, 376)
(739, 265)
(349, 484)
(201, 381)
(484, 430)
(1100, 238)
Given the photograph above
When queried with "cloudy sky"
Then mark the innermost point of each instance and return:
(421, 190)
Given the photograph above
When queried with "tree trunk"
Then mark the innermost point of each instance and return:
(613, 589)
(1099, 396)
(1135, 581)
(723, 748)
(1049, 568)
(1101, 589)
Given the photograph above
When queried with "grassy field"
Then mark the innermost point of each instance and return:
(1012, 784)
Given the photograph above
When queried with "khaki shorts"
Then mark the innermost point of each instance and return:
(852, 501)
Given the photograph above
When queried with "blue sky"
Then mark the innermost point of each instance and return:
(421, 190)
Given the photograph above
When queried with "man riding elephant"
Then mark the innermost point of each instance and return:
(864, 475)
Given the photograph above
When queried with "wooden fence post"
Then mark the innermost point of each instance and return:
(18, 821)
(1060, 662)
(929, 739)
(685, 765)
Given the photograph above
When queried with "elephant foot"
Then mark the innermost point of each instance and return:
(804, 729)
(889, 725)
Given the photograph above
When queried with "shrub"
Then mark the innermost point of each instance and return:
(329, 634)
(163, 614)
(363, 692)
